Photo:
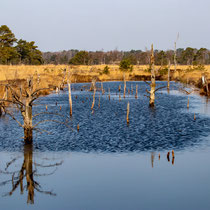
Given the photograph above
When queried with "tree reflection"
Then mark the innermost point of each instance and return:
(167, 156)
(28, 172)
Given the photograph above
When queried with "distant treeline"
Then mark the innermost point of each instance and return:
(188, 56)
(13, 51)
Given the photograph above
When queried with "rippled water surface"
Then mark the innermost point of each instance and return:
(108, 164)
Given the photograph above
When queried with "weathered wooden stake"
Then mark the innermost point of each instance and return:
(99, 101)
(109, 94)
(188, 103)
(128, 110)
(119, 88)
(136, 95)
(78, 127)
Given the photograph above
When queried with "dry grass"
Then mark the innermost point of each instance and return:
(53, 74)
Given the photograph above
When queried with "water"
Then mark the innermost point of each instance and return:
(107, 164)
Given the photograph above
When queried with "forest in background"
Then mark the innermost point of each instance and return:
(14, 51)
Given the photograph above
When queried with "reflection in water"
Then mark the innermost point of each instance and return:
(152, 158)
(168, 157)
(28, 171)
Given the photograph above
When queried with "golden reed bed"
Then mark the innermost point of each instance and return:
(11, 72)
(53, 74)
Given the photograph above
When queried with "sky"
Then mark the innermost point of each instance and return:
(57, 25)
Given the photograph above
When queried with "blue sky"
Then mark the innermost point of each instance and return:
(108, 24)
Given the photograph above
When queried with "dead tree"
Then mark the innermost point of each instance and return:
(69, 89)
(124, 85)
(128, 111)
(94, 93)
(168, 79)
(188, 93)
(152, 83)
(175, 63)
(28, 172)
(24, 102)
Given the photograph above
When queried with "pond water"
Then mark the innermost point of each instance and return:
(108, 164)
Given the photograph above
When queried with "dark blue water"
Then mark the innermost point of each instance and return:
(107, 164)
(170, 125)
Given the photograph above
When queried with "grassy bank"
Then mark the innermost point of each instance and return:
(53, 74)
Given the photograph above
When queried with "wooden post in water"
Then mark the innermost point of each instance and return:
(102, 89)
(136, 95)
(109, 94)
(128, 110)
(188, 103)
(94, 93)
(131, 89)
(70, 99)
(119, 88)
(152, 90)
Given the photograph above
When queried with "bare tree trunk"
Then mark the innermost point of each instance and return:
(175, 62)
(136, 96)
(128, 111)
(168, 81)
(152, 90)
(188, 103)
(6, 93)
(93, 97)
(124, 85)
(28, 127)
(70, 99)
